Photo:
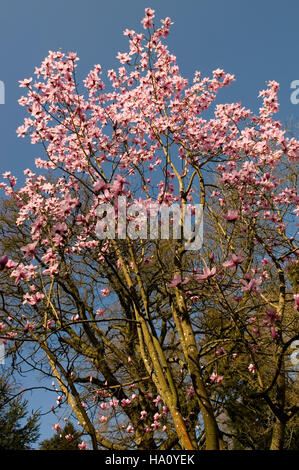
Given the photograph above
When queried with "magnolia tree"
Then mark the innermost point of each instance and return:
(154, 337)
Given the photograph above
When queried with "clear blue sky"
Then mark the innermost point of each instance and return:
(256, 40)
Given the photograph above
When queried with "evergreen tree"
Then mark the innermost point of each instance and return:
(18, 431)
(60, 442)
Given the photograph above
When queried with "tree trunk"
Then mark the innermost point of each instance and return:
(278, 434)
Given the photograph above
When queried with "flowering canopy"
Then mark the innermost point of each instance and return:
(143, 136)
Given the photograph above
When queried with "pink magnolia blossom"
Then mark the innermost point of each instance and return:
(271, 317)
(220, 352)
(25, 83)
(207, 274)
(30, 249)
(53, 269)
(105, 292)
(234, 261)
(29, 326)
(251, 286)
(231, 216)
(178, 281)
(57, 427)
(274, 333)
(114, 403)
(10, 264)
(59, 228)
(103, 419)
(23, 272)
(104, 406)
(33, 299)
(155, 425)
(82, 446)
(125, 128)
(3, 262)
(215, 378)
(143, 414)
(157, 400)
(126, 402)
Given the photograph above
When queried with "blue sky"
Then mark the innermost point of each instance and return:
(257, 41)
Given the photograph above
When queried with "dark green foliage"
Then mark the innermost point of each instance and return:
(61, 443)
(18, 431)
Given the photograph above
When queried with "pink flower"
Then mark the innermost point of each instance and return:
(114, 403)
(60, 228)
(33, 299)
(29, 250)
(53, 269)
(296, 299)
(272, 317)
(25, 83)
(103, 419)
(234, 261)
(130, 429)
(157, 400)
(123, 58)
(251, 368)
(23, 272)
(57, 427)
(126, 402)
(231, 216)
(215, 378)
(155, 425)
(3, 262)
(251, 286)
(99, 186)
(220, 352)
(104, 406)
(207, 273)
(147, 20)
(100, 312)
(82, 446)
(143, 414)
(178, 281)
(69, 437)
(273, 332)
(10, 264)
(105, 292)
(28, 327)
